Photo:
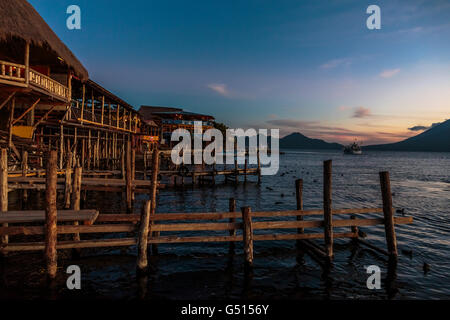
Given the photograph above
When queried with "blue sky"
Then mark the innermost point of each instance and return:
(308, 66)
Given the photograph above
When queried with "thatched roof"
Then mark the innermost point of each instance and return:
(19, 20)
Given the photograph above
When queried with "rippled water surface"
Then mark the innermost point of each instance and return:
(420, 184)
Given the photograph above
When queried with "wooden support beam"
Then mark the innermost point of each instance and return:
(27, 63)
(388, 211)
(44, 117)
(327, 211)
(50, 216)
(11, 121)
(103, 107)
(83, 102)
(7, 99)
(26, 111)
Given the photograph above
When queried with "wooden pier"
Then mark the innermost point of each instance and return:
(148, 228)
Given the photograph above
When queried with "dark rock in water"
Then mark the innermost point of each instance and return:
(269, 188)
(342, 174)
(279, 202)
(408, 253)
(426, 267)
(362, 234)
(402, 211)
(315, 180)
(282, 195)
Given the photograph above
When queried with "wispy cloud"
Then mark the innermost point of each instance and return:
(219, 88)
(361, 112)
(389, 73)
(422, 128)
(418, 128)
(336, 63)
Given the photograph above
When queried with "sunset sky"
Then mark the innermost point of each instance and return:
(306, 66)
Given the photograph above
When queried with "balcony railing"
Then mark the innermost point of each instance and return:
(14, 74)
(48, 84)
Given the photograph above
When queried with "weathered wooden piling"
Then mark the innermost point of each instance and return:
(50, 215)
(129, 178)
(144, 231)
(4, 188)
(327, 213)
(299, 199)
(388, 211)
(153, 189)
(247, 235)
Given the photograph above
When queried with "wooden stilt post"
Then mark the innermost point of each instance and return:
(232, 208)
(122, 163)
(68, 181)
(4, 188)
(76, 200)
(61, 146)
(76, 193)
(153, 190)
(248, 236)
(299, 198)
(327, 214)
(129, 178)
(388, 211)
(50, 215)
(24, 171)
(142, 260)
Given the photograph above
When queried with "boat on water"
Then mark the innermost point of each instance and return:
(353, 148)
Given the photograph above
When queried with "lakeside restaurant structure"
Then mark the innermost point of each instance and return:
(48, 102)
(169, 119)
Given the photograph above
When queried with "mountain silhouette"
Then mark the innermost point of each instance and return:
(435, 139)
(299, 141)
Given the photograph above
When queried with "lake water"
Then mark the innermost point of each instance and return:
(420, 184)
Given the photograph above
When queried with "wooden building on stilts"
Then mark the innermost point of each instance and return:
(47, 101)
